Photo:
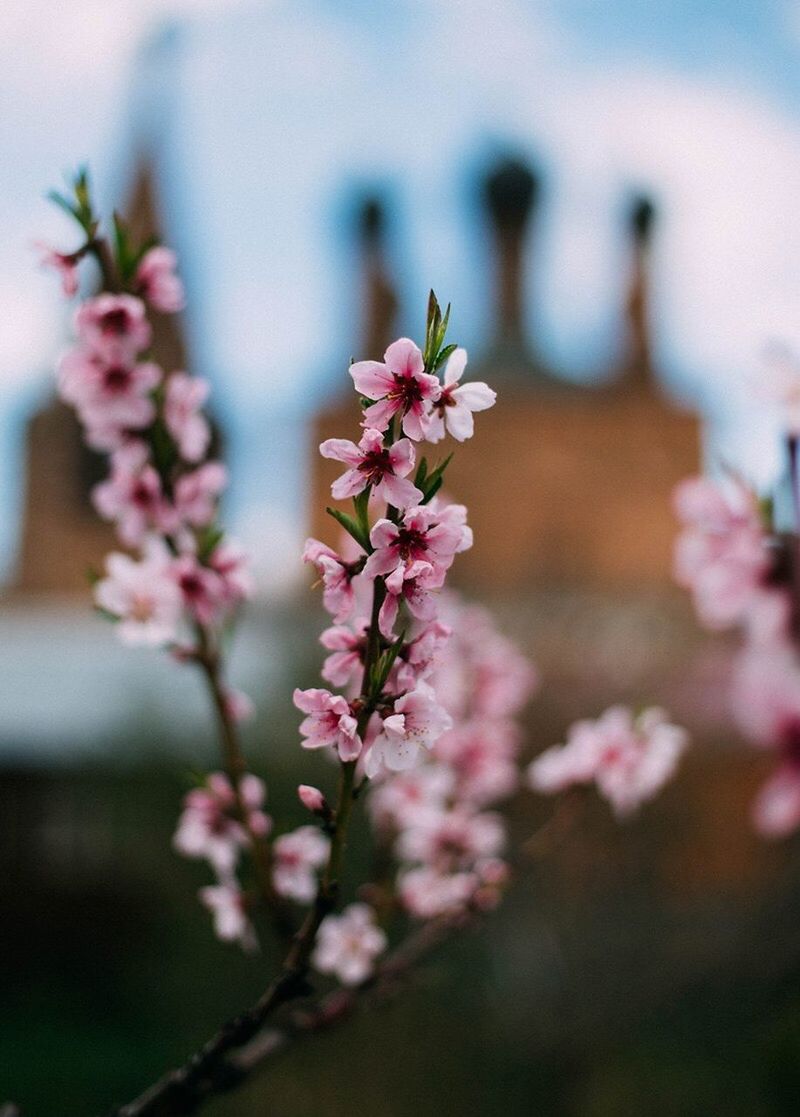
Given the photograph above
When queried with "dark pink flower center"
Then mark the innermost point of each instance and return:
(375, 466)
(116, 378)
(790, 741)
(115, 322)
(407, 391)
(411, 544)
(142, 495)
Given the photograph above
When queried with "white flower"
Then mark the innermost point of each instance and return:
(453, 408)
(227, 905)
(348, 944)
(143, 596)
(417, 723)
(297, 857)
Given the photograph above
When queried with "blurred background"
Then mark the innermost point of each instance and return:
(607, 194)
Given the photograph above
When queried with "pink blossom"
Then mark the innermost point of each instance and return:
(296, 858)
(144, 598)
(113, 326)
(482, 755)
(348, 944)
(184, 399)
(765, 695)
(239, 706)
(157, 283)
(108, 395)
(427, 893)
(456, 403)
(337, 577)
(454, 839)
(405, 798)
(201, 588)
(330, 721)
(418, 658)
(629, 760)
(231, 563)
(385, 468)
(721, 556)
(425, 534)
(132, 496)
(346, 662)
(209, 828)
(228, 905)
(776, 810)
(311, 798)
(416, 584)
(417, 720)
(400, 385)
(196, 494)
(65, 263)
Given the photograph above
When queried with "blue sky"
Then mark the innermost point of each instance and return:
(697, 100)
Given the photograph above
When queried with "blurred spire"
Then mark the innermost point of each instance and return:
(378, 296)
(510, 193)
(637, 364)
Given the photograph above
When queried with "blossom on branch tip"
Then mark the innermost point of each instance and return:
(113, 326)
(209, 827)
(111, 397)
(311, 798)
(348, 944)
(425, 533)
(400, 386)
(337, 578)
(454, 407)
(157, 282)
(144, 598)
(65, 263)
(415, 583)
(385, 468)
(196, 494)
(330, 722)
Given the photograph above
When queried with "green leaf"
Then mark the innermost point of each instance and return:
(63, 203)
(207, 542)
(361, 504)
(351, 527)
(422, 473)
(443, 355)
(433, 481)
(385, 664)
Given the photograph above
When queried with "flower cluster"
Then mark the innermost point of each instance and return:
(629, 759)
(742, 573)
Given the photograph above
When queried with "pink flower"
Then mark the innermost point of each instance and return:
(132, 496)
(348, 944)
(311, 798)
(427, 893)
(65, 263)
(239, 706)
(231, 563)
(415, 583)
(452, 840)
(330, 721)
(385, 468)
(418, 658)
(424, 534)
(630, 761)
(776, 811)
(156, 281)
(401, 386)
(482, 754)
(201, 588)
(347, 646)
(228, 905)
(113, 326)
(337, 577)
(296, 858)
(415, 724)
(456, 403)
(403, 799)
(144, 598)
(721, 556)
(197, 493)
(208, 827)
(184, 399)
(108, 395)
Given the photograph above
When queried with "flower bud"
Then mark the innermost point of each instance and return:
(312, 799)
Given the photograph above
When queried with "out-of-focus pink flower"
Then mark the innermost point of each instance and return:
(296, 858)
(427, 893)
(721, 556)
(132, 496)
(197, 493)
(183, 403)
(347, 645)
(405, 798)
(385, 468)
(228, 906)
(629, 760)
(416, 584)
(400, 385)
(108, 396)
(202, 589)
(330, 722)
(348, 944)
(143, 596)
(208, 827)
(311, 798)
(425, 534)
(337, 577)
(232, 565)
(454, 407)
(776, 810)
(157, 282)
(454, 839)
(239, 706)
(483, 756)
(114, 326)
(418, 658)
(414, 725)
(765, 693)
(65, 263)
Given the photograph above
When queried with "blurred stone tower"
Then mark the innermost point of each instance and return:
(571, 484)
(63, 538)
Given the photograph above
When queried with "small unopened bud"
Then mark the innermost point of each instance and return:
(239, 706)
(312, 799)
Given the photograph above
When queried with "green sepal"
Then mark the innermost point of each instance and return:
(351, 527)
